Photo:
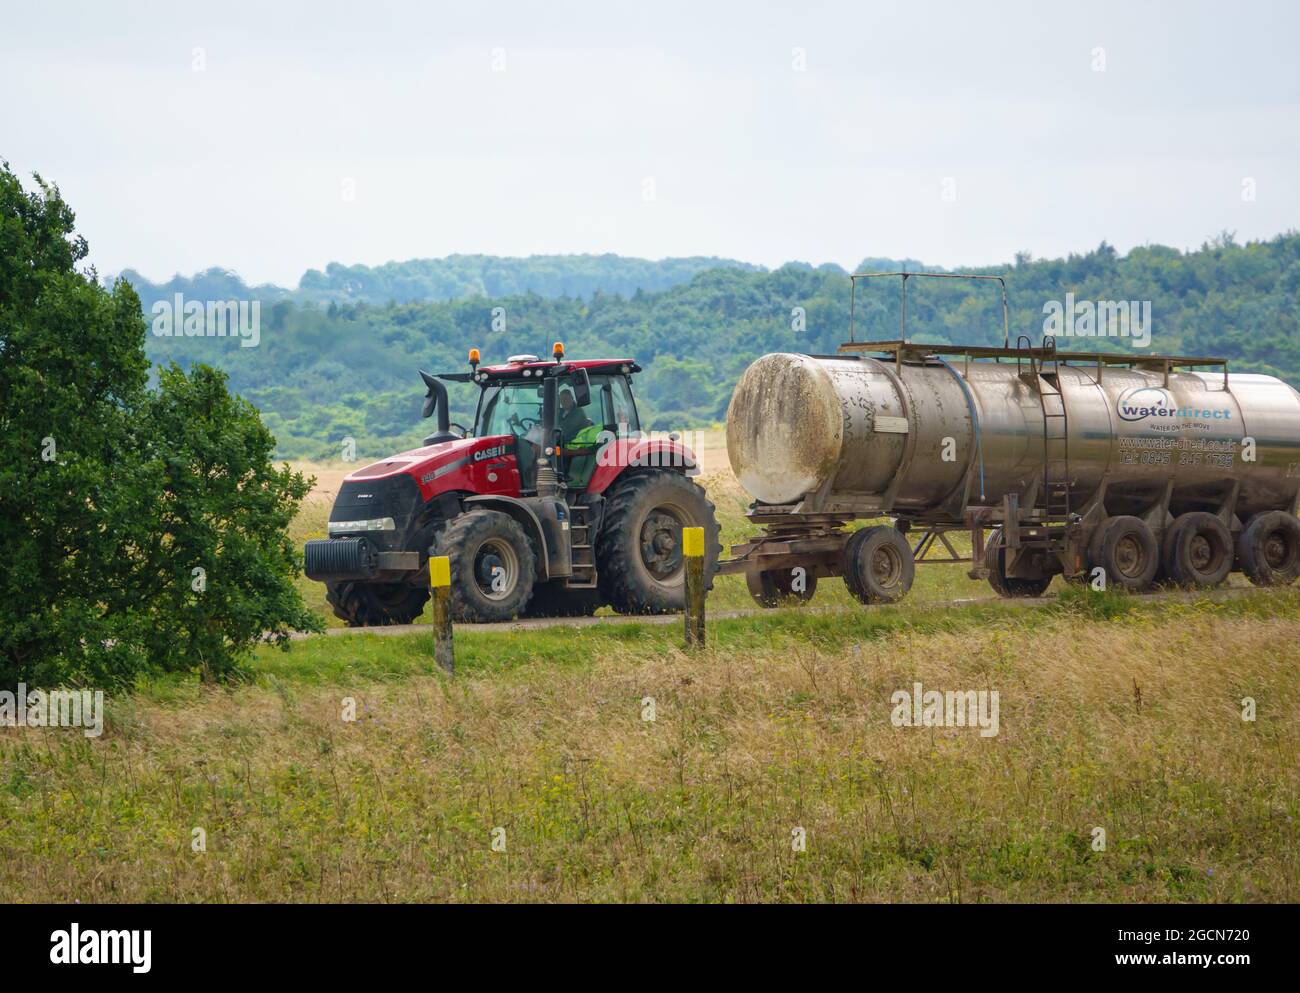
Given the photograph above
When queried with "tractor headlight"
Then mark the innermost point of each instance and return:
(352, 527)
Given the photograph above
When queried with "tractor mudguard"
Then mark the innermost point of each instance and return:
(546, 523)
(618, 454)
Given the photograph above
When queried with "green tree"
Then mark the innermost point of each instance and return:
(218, 578)
(111, 493)
(72, 372)
(679, 387)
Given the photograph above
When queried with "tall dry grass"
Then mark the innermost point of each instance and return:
(1131, 724)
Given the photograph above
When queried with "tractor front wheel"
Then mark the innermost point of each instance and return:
(639, 550)
(492, 566)
(365, 605)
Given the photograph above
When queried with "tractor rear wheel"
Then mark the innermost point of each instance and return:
(639, 549)
(492, 566)
(365, 605)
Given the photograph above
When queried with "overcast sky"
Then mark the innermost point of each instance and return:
(273, 137)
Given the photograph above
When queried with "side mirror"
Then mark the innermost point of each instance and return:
(581, 387)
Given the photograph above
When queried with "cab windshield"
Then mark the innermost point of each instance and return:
(515, 408)
(511, 408)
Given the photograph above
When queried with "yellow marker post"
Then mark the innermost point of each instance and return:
(440, 587)
(693, 560)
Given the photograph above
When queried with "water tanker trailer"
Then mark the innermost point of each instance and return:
(1133, 468)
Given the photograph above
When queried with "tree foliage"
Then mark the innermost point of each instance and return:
(450, 278)
(325, 374)
(112, 492)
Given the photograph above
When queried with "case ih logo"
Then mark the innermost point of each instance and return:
(1152, 401)
(489, 453)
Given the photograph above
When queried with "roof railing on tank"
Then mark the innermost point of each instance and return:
(902, 308)
(900, 347)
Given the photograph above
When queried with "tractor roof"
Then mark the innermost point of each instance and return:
(511, 370)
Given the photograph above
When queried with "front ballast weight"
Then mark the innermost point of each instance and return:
(355, 559)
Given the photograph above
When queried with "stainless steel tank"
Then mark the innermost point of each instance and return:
(834, 432)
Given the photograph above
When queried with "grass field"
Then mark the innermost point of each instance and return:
(1115, 713)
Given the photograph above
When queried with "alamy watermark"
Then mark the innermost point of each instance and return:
(53, 709)
(179, 317)
(102, 947)
(946, 709)
(1099, 319)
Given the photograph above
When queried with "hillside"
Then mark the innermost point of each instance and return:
(324, 373)
(450, 278)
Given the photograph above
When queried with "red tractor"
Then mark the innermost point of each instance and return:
(553, 504)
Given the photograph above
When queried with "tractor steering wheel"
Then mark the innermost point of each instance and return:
(525, 424)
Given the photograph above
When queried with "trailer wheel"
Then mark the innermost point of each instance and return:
(995, 557)
(639, 550)
(776, 586)
(1198, 550)
(492, 565)
(1127, 550)
(878, 565)
(1269, 549)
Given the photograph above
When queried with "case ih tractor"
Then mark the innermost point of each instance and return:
(552, 504)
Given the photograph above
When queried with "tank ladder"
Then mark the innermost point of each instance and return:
(1054, 498)
(1053, 495)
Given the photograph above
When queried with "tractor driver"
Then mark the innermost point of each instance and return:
(572, 419)
(578, 437)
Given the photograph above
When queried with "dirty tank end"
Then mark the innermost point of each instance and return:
(784, 427)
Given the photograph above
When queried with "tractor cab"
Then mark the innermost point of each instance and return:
(558, 413)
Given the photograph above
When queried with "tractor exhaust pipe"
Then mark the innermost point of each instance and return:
(548, 481)
(436, 399)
